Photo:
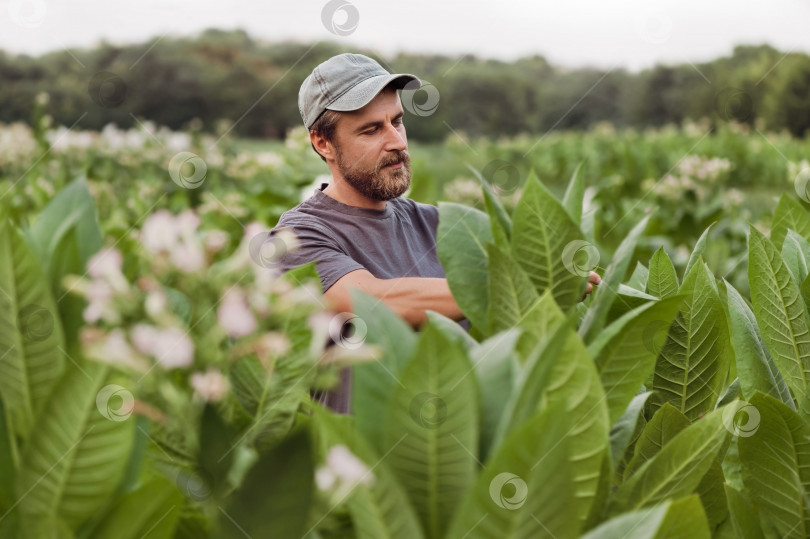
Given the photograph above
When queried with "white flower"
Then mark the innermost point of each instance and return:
(215, 240)
(342, 472)
(273, 344)
(211, 385)
(187, 256)
(111, 347)
(155, 303)
(234, 314)
(159, 232)
(106, 265)
(171, 347)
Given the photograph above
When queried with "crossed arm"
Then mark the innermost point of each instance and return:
(409, 297)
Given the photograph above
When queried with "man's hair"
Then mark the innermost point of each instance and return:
(326, 124)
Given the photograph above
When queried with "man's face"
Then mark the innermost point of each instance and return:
(372, 150)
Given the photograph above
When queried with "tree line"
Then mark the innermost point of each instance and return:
(227, 80)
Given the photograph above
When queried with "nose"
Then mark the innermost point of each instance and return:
(394, 140)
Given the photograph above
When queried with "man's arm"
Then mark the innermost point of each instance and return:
(409, 297)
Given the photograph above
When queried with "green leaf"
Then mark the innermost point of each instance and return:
(678, 468)
(606, 292)
(744, 517)
(665, 424)
(496, 368)
(780, 312)
(789, 215)
(638, 279)
(215, 453)
(542, 231)
(151, 511)
(625, 351)
(498, 215)
(755, 367)
(75, 456)
(381, 510)
(775, 457)
(796, 254)
(700, 247)
(8, 463)
(668, 520)
(663, 281)
(622, 430)
(692, 367)
(560, 369)
(276, 494)
(462, 236)
(526, 490)
(373, 382)
(431, 428)
(511, 294)
(31, 338)
(574, 195)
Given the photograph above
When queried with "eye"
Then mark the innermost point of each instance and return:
(370, 131)
(398, 121)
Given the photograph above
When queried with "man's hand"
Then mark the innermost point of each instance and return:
(593, 279)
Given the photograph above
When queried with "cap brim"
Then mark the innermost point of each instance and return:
(362, 93)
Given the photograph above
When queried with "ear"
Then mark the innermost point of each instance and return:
(322, 146)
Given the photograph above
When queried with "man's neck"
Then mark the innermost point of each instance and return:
(341, 191)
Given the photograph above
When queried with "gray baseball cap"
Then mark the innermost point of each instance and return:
(346, 82)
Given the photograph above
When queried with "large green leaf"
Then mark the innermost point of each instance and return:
(511, 293)
(276, 494)
(621, 432)
(431, 428)
(662, 281)
(560, 369)
(744, 517)
(542, 230)
(374, 382)
(780, 312)
(789, 215)
(755, 367)
(8, 462)
(31, 339)
(678, 468)
(796, 255)
(605, 293)
(662, 427)
(378, 510)
(151, 511)
(697, 251)
(527, 488)
(625, 351)
(498, 216)
(76, 456)
(574, 195)
(775, 457)
(668, 520)
(462, 236)
(638, 279)
(692, 368)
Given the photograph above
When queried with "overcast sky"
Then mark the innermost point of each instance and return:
(624, 33)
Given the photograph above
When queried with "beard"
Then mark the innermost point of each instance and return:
(378, 183)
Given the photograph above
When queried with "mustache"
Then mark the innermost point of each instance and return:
(396, 157)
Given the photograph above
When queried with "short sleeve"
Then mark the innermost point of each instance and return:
(331, 262)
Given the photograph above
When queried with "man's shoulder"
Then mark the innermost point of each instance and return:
(410, 205)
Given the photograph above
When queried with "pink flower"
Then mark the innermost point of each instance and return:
(234, 314)
(171, 347)
(211, 385)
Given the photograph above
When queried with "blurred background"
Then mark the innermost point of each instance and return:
(697, 110)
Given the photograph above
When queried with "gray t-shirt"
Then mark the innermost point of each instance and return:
(399, 241)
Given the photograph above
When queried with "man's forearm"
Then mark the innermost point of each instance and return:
(409, 297)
